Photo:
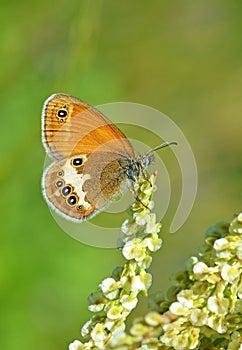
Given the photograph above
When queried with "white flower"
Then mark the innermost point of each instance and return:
(76, 345)
(115, 326)
(86, 328)
(218, 305)
(230, 272)
(152, 226)
(221, 244)
(141, 282)
(185, 297)
(153, 318)
(217, 323)
(239, 218)
(145, 264)
(200, 268)
(139, 329)
(205, 273)
(96, 307)
(199, 317)
(154, 242)
(109, 284)
(178, 309)
(129, 301)
(98, 333)
(142, 218)
(125, 226)
(129, 228)
(224, 254)
(134, 249)
(114, 311)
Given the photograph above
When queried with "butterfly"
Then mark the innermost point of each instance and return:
(93, 161)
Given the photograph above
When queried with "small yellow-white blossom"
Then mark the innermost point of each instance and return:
(154, 242)
(186, 297)
(218, 305)
(153, 318)
(141, 218)
(217, 322)
(178, 309)
(86, 328)
(135, 249)
(152, 226)
(139, 329)
(205, 273)
(145, 263)
(129, 228)
(109, 285)
(141, 282)
(129, 301)
(99, 334)
(76, 345)
(199, 317)
(230, 272)
(114, 311)
(221, 244)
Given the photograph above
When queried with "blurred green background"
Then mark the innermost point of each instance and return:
(181, 57)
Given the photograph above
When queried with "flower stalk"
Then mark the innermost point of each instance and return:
(203, 307)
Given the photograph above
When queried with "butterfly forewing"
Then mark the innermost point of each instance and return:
(71, 126)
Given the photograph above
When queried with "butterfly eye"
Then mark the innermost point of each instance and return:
(62, 113)
(66, 190)
(77, 161)
(59, 183)
(60, 173)
(72, 200)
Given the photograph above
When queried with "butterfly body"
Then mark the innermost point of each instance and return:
(93, 160)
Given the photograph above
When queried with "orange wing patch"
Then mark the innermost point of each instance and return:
(72, 126)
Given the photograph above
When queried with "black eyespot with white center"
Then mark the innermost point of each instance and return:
(72, 200)
(77, 161)
(62, 113)
(60, 173)
(66, 190)
(59, 183)
(80, 207)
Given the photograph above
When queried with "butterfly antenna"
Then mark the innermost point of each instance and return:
(164, 144)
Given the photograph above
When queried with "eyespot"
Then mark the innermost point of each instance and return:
(77, 161)
(60, 173)
(59, 183)
(66, 190)
(62, 113)
(80, 207)
(72, 200)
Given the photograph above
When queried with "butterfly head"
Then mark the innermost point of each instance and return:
(136, 167)
(146, 160)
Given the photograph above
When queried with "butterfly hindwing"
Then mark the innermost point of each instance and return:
(80, 186)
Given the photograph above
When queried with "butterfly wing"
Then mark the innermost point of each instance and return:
(91, 154)
(71, 126)
(80, 186)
